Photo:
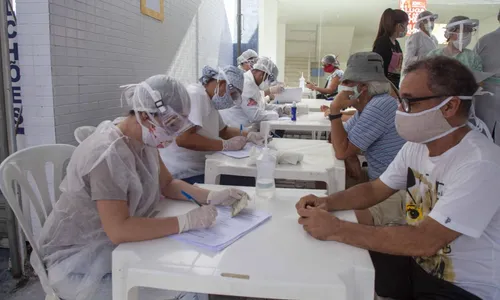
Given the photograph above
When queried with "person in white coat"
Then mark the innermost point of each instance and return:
(488, 108)
(247, 59)
(253, 109)
(423, 41)
(217, 89)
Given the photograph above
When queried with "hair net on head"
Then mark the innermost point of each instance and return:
(207, 74)
(266, 65)
(160, 96)
(234, 76)
(426, 15)
(330, 59)
(247, 56)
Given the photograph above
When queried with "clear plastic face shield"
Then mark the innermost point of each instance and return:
(428, 22)
(166, 123)
(464, 31)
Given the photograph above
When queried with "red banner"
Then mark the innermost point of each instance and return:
(412, 8)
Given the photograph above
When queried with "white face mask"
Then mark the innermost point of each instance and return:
(264, 85)
(155, 137)
(353, 89)
(429, 27)
(462, 44)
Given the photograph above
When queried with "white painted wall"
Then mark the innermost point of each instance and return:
(281, 51)
(268, 29)
(78, 52)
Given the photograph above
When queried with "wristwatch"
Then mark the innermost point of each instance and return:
(333, 117)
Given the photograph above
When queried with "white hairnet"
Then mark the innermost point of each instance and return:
(330, 59)
(266, 65)
(247, 56)
(231, 74)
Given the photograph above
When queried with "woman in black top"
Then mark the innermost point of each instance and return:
(393, 25)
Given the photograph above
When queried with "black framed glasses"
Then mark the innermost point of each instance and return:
(406, 102)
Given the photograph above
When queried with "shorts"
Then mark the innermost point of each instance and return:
(389, 211)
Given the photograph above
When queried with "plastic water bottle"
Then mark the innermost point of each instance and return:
(302, 82)
(294, 111)
(266, 164)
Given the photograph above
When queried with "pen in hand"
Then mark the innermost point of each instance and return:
(190, 198)
(241, 129)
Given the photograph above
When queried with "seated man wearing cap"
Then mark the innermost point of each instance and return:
(450, 247)
(371, 130)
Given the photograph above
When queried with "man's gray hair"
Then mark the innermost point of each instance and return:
(378, 87)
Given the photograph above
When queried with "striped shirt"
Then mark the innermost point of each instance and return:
(373, 131)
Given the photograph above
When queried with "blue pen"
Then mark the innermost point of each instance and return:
(241, 129)
(190, 198)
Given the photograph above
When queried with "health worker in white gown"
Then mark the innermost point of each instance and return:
(114, 181)
(423, 41)
(217, 89)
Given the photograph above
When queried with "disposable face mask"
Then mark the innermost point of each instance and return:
(155, 137)
(264, 85)
(353, 89)
(466, 40)
(429, 27)
(329, 68)
(223, 102)
(424, 127)
(403, 34)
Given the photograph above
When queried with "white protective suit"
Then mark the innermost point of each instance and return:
(252, 110)
(488, 107)
(106, 166)
(418, 46)
(184, 163)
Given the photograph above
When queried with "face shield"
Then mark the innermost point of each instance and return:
(427, 19)
(167, 123)
(464, 30)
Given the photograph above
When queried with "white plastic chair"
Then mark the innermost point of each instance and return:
(16, 169)
(81, 133)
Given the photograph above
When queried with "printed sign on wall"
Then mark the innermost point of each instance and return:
(413, 8)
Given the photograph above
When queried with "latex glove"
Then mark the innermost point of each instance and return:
(257, 138)
(198, 218)
(287, 110)
(276, 89)
(234, 144)
(225, 197)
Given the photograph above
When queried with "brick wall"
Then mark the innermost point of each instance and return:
(91, 47)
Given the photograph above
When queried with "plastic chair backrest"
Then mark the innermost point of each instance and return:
(16, 169)
(81, 133)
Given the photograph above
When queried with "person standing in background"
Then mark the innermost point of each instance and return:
(459, 32)
(488, 109)
(393, 25)
(421, 42)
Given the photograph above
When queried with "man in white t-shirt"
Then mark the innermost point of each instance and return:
(450, 247)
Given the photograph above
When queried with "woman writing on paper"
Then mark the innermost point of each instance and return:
(217, 89)
(113, 183)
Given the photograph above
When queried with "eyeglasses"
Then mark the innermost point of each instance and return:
(405, 102)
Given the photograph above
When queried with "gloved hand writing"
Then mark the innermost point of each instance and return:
(287, 110)
(225, 197)
(198, 218)
(234, 144)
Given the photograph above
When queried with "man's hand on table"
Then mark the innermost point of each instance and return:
(312, 201)
(319, 223)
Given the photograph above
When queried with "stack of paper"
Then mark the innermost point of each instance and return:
(226, 231)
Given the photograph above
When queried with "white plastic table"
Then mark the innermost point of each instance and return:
(314, 105)
(319, 164)
(280, 259)
(313, 122)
